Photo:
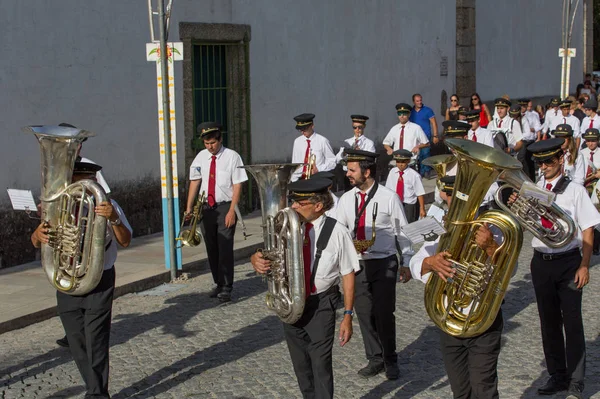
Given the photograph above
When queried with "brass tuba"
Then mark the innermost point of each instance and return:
(441, 164)
(528, 212)
(283, 237)
(468, 304)
(192, 235)
(74, 256)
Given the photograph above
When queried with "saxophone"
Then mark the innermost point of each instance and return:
(283, 237)
(468, 304)
(73, 258)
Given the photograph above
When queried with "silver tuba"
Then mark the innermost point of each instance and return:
(528, 212)
(74, 256)
(283, 235)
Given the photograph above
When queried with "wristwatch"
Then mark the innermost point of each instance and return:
(116, 222)
(350, 312)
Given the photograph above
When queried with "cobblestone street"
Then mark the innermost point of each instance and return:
(182, 344)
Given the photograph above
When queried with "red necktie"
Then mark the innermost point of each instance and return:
(555, 112)
(591, 124)
(474, 136)
(306, 159)
(545, 222)
(400, 186)
(211, 182)
(307, 257)
(564, 121)
(500, 123)
(401, 138)
(360, 231)
(355, 144)
(589, 168)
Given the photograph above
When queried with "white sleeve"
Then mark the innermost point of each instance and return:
(370, 146)
(577, 127)
(391, 181)
(422, 136)
(404, 243)
(418, 186)
(389, 138)
(416, 263)
(347, 257)
(195, 170)
(121, 214)
(238, 175)
(329, 162)
(586, 213)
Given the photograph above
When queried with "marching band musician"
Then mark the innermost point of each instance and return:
(477, 133)
(591, 119)
(527, 138)
(375, 300)
(574, 165)
(330, 176)
(533, 117)
(503, 124)
(566, 118)
(559, 275)
(405, 135)
(357, 142)
(549, 117)
(591, 156)
(311, 143)
(407, 183)
(471, 363)
(216, 172)
(86, 318)
(310, 339)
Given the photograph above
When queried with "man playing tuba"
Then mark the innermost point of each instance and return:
(86, 318)
(471, 363)
(310, 339)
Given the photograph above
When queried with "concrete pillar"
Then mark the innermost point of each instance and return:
(588, 35)
(466, 73)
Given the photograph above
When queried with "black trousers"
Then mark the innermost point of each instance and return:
(219, 244)
(559, 307)
(524, 156)
(471, 363)
(375, 303)
(411, 211)
(86, 320)
(310, 342)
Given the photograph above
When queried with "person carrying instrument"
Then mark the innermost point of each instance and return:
(216, 172)
(375, 211)
(86, 318)
(507, 132)
(407, 183)
(574, 164)
(591, 156)
(310, 339)
(559, 275)
(357, 142)
(471, 363)
(311, 144)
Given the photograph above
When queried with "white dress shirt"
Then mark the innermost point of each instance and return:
(110, 253)
(526, 132)
(413, 185)
(484, 136)
(228, 172)
(338, 257)
(509, 127)
(363, 144)
(320, 147)
(332, 213)
(576, 171)
(549, 121)
(534, 121)
(388, 223)
(585, 123)
(586, 155)
(577, 204)
(413, 136)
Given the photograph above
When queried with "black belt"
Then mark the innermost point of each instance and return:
(331, 290)
(216, 205)
(556, 256)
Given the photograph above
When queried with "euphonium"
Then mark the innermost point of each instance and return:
(74, 256)
(467, 305)
(283, 237)
(441, 164)
(192, 236)
(528, 211)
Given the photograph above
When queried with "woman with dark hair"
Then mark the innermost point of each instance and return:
(452, 111)
(484, 112)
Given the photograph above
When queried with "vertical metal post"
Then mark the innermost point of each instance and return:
(167, 136)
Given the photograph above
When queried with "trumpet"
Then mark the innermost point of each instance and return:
(312, 160)
(192, 236)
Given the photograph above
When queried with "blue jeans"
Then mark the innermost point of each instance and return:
(423, 154)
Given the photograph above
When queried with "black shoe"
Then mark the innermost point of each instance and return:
(371, 370)
(63, 342)
(553, 386)
(575, 391)
(215, 291)
(224, 296)
(391, 371)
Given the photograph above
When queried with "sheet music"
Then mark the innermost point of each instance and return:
(22, 200)
(530, 190)
(436, 212)
(426, 229)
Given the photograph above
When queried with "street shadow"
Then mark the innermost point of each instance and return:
(249, 339)
(67, 393)
(592, 385)
(427, 344)
(124, 327)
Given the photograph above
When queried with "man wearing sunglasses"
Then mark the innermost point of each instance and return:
(308, 144)
(357, 142)
(405, 135)
(559, 274)
(310, 339)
